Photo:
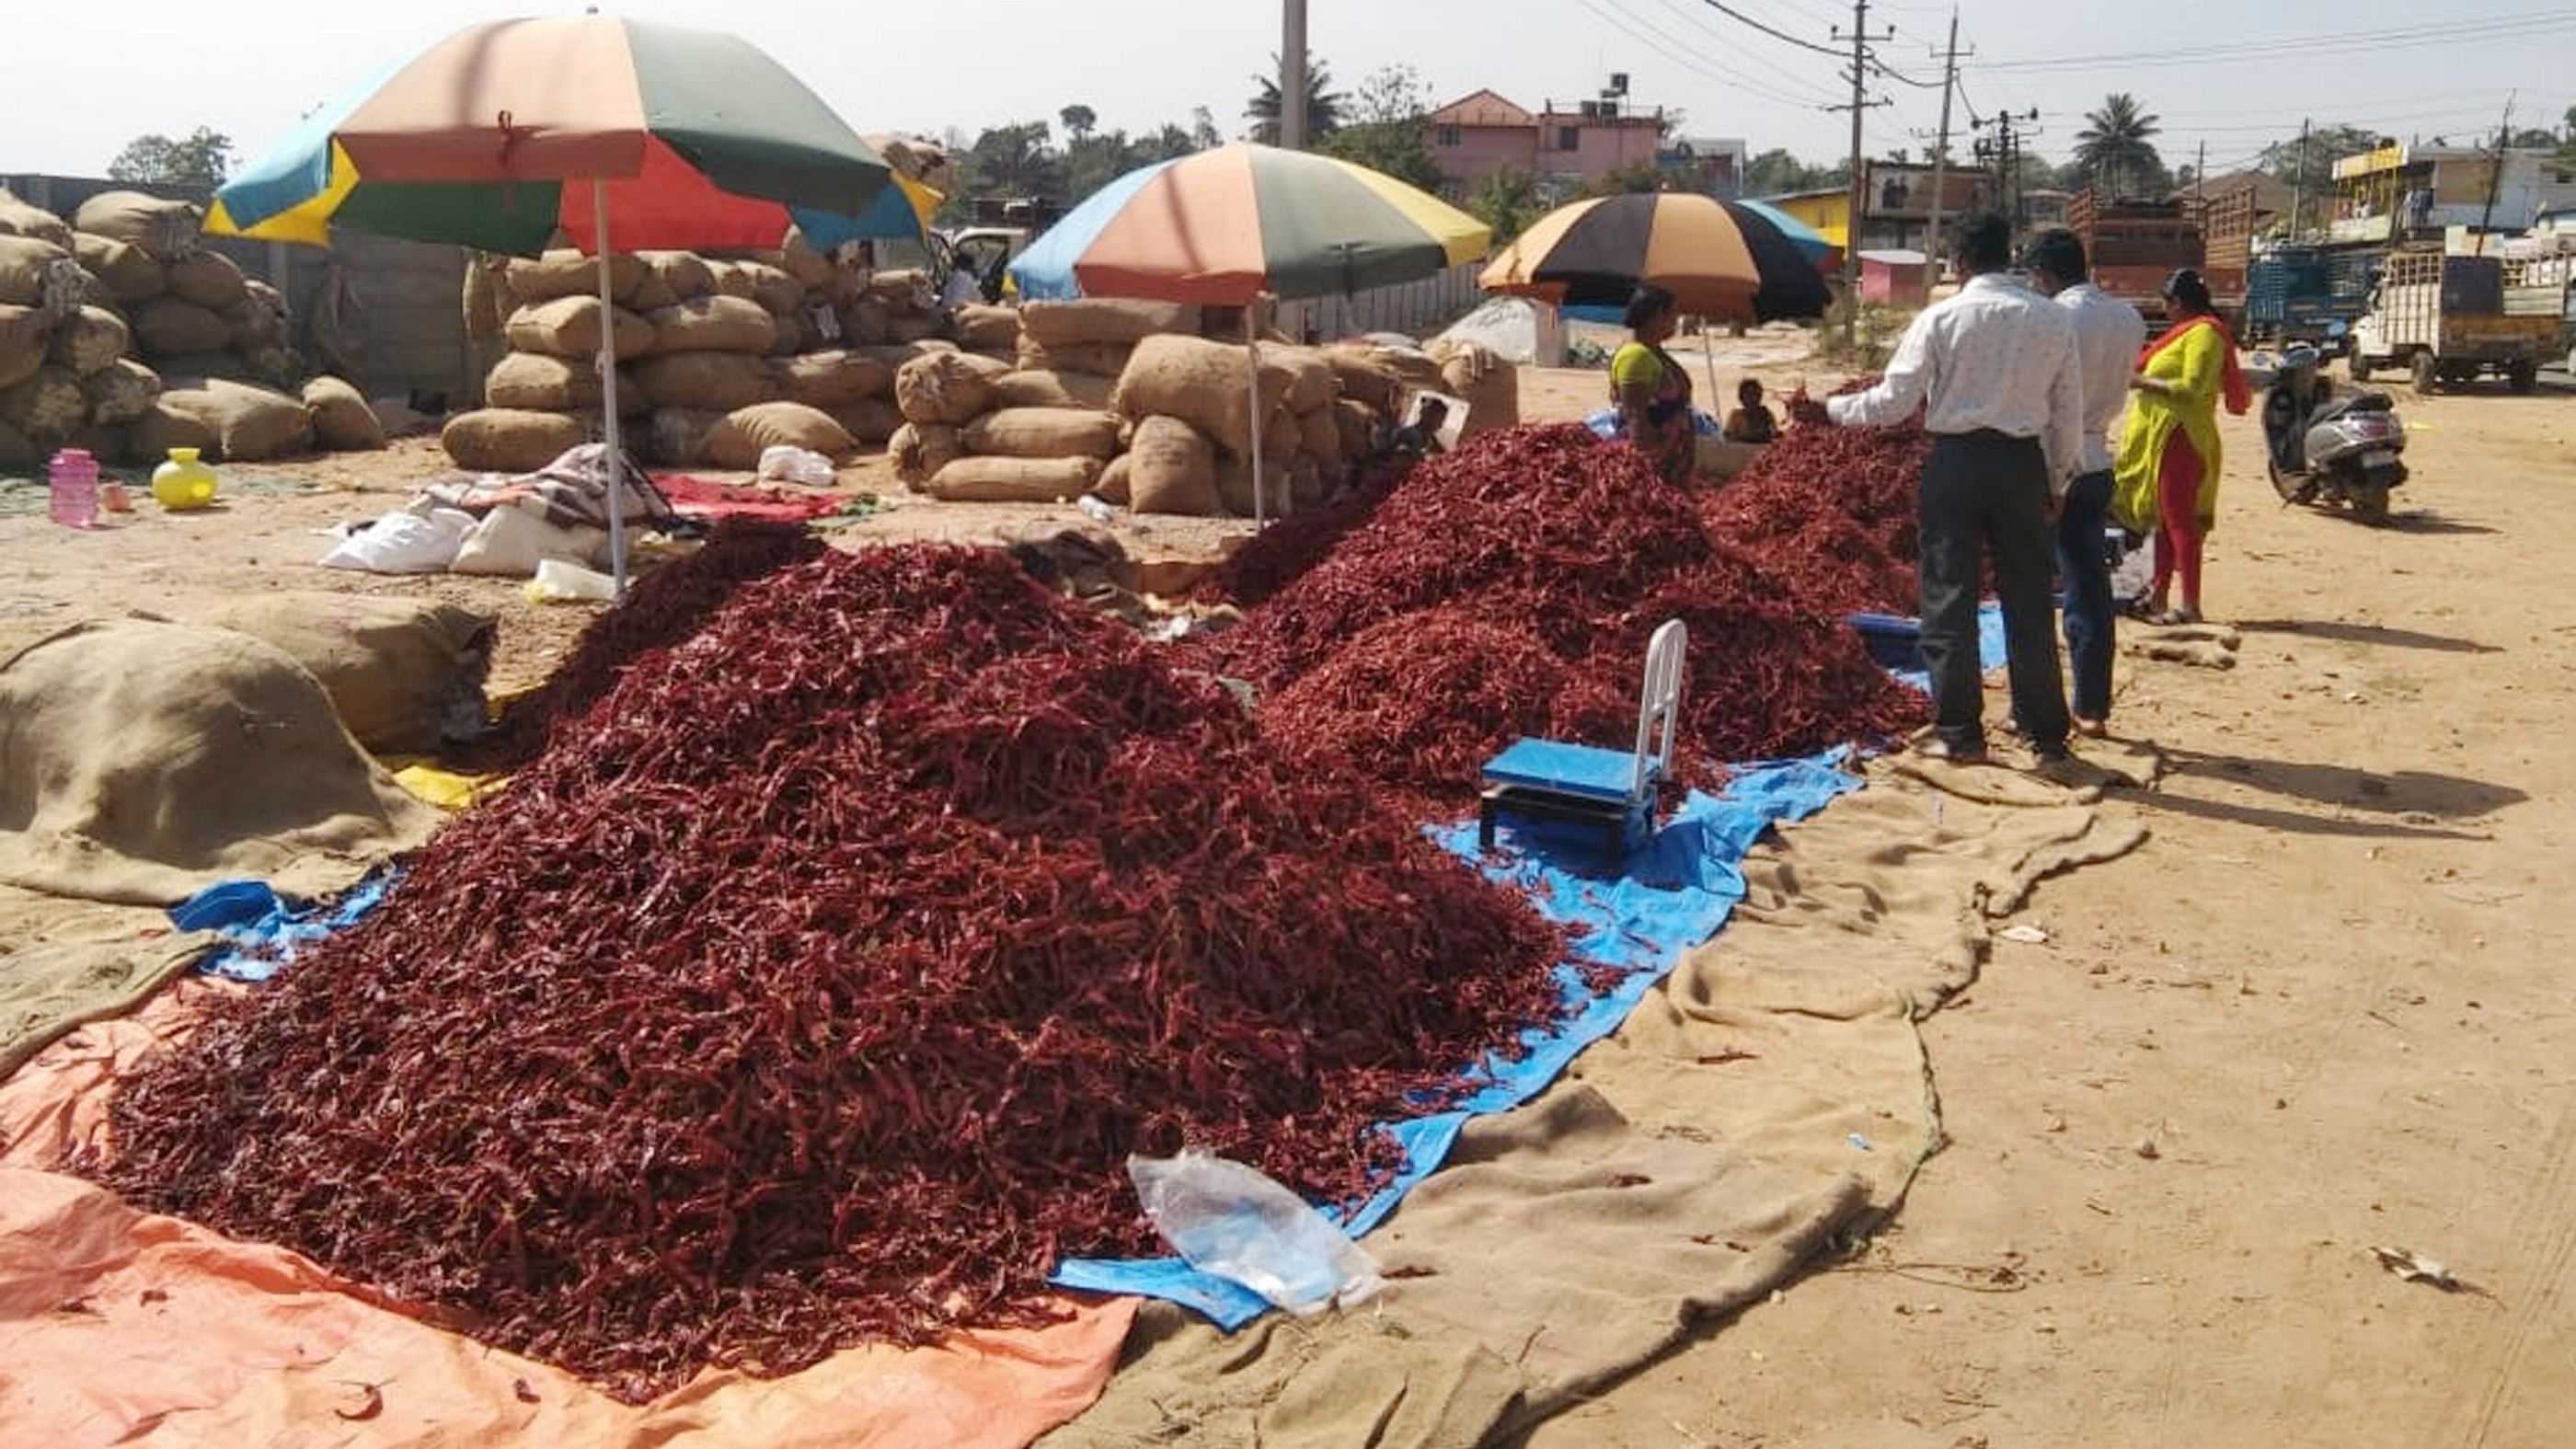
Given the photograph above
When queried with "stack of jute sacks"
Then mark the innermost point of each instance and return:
(1125, 401)
(720, 357)
(122, 334)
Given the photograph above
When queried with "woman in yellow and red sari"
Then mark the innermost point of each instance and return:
(2165, 481)
(1651, 391)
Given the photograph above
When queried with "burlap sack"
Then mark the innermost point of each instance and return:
(1171, 468)
(1053, 390)
(684, 274)
(26, 267)
(567, 273)
(256, 322)
(1101, 359)
(713, 324)
(1414, 371)
(147, 760)
(166, 229)
(947, 387)
(913, 327)
(870, 420)
(251, 423)
(569, 327)
(677, 437)
(1090, 320)
(988, 329)
(1114, 479)
(121, 392)
(1042, 433)
(1490, 386)
(128, 270)
(712, 381)
(17, 450)
(650, 295)
(48, 405)
(1355, 425)
(540, 383)
(24, 335)
(191, 366)
(169, 327)
(865, 322)
(1205, 384)
(1363, 377)
(1013, 480)
(1237, 495)
(486, 315)
(1319, 437)
(162, 428)
(404, 675)
(89, 339)
(797, 257)
(904, 289)
(920, 450)
(18, 218)
(832, 379)
(206, 278)
(342, 421)
(730, 279)
(510, 440)
(738, 441)
(893, 355)
(777, 293)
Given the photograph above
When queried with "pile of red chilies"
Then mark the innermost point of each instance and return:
(814, 988)
(1538, 560)
(1832, 512)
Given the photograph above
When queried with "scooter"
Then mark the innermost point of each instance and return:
(2327, 450)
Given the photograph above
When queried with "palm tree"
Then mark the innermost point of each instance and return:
(2113, 147)
(1323, 104)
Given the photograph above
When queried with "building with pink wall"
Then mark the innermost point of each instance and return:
(1563, 146)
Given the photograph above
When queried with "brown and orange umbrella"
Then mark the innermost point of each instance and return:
(1722, 260)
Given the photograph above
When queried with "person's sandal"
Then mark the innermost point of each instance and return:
(1943, 750)
(2092, 729)
(2174, 618)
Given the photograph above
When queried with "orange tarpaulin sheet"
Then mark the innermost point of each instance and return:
(121, 1327)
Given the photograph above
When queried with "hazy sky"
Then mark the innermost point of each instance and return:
(2407, 66)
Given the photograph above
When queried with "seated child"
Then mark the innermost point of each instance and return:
(1751, 422)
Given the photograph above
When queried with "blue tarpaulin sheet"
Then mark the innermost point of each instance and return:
(261, 928)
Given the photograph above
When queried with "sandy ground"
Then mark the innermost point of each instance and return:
(2328, 1007)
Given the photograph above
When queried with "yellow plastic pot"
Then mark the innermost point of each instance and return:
(183, 482)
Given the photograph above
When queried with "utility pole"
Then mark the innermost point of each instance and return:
(2495, 173)
(1292, 75)
(1858, 201)
(2299, 184)
(2200, 179)
(2004, 154)
(1941, 147)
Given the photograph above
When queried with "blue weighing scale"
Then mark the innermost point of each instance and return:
(1611, 790)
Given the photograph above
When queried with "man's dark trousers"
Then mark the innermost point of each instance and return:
(1986, 494)
(2085, 569)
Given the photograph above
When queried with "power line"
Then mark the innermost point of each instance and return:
(1780, 35)
(1686, 57)
(2455, 33)
(1702, 25)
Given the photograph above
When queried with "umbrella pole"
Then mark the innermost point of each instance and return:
(1708, 355)
(613, 464)
(1252, 354)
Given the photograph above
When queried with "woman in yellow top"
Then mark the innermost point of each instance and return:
(1650, 389)
(2165, 481)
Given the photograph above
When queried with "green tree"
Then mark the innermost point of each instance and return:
(1776, 173)
(1204, 135)
(2114, 148)
(1388, 128)
(1323, 104)
(1079, 121)
(1636, 176)
(1507, 200)
(2325, 146)
(201, 160)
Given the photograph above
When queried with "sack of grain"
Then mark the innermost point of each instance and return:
(1042, 433)
(128, 272)
(193, 366)
(903, 289)
(206, 278)
(17, 450)
(1311, 380)
(1114, 480)
(1415, 371)
(797, 257)
(920, 450)
(1319, 436)
(739, 440)
(988, 329)
(832, 379)
(651, 294)
(1013, 480)
(713, 324)
(89, 339)
(272, 365)
(945, 387)
(1205, 384)
(1052, 390)
(1104, 319)
(48, 405)
(1490, 386)
(777, 293)
(17, 218)
(685, 275)
(342, 421)
(1356, 425)
(510, 440)
(565, 272)
(1171, 468)
(569, 327)
(1102, 359)
(251, 424)
(166, 229)
(870, 420)
(1237, 495)
(29, 271)
(485, 314)
(677, 437)
(24, 333)
(1363, 377)
(255, 325)
(712, 381)
(864, 322)
(912, 327)
(534, 381)
(121, 392)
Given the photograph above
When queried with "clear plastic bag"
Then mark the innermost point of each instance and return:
(1231, 1221)
(783, 464)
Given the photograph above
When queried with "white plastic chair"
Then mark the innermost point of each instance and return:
(1659, 708)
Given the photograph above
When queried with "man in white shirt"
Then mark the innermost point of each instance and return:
(1995, 371)
(2108, 336)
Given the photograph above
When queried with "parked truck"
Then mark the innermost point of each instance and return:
(2445, 320)
(2135, 245)
(2307, 294)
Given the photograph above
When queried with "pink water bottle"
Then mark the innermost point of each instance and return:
(72, 488)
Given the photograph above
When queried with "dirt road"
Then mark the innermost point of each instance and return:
(2329, 1007)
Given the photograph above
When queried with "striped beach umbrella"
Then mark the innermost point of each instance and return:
(621, 133)
(1720, 259)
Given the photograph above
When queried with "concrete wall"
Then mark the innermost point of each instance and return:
(385, 313)
(1417, 309)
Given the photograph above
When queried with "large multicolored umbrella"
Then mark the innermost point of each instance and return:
(1227, 226)
(1721, 260)
(1812, 244)
(684, 138)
